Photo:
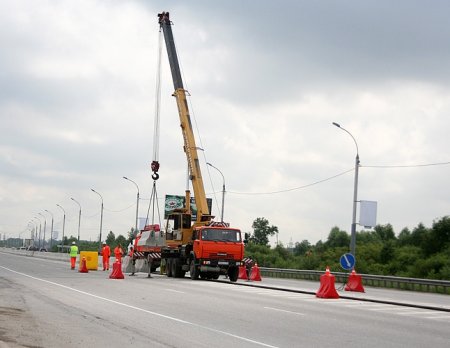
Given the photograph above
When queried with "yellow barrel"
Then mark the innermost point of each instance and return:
(91, 259)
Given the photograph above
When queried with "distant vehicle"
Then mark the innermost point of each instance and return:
(32, 248)
(43, 249)
(22, 248)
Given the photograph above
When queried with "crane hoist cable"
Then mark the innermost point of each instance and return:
(153, 203)
(156, 126)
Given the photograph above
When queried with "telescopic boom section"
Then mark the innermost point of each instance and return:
(186, 126)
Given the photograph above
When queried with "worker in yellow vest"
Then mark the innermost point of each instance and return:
(73, 255)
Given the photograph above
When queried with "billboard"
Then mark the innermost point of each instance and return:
(173, 202)
(368, 213)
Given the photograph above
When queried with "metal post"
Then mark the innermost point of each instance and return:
(79, 217)
(64, 225)
(45, 227)
(355, 193)
(51, 231)
(355, 199)
(223, 190)
(101, 219)
(137, 202)
(39, 236)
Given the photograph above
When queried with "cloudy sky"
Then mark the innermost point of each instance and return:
(266, 79)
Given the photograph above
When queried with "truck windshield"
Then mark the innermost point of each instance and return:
(224, 235)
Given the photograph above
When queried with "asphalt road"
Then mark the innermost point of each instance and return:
(45, 304)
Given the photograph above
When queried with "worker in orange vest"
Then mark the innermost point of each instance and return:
(118, 252)
(106, 254)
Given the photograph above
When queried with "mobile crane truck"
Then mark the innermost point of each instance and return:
(203, 247)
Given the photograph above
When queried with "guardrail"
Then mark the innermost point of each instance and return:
(415, 284)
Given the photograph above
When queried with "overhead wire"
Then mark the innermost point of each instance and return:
(293, 188)
(337, 175)
(408, 165)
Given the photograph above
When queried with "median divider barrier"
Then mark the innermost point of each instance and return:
(354, 282)
(327, 289)
(91, 259)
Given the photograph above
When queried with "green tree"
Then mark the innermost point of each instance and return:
(111, 238)
(337, 238)
(385, 232)
(302, 248)
(404, 237)
(122, 241)
(262, 231)
(438, 237)
(419, 235)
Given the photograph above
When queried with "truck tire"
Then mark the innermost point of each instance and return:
(169, 267)
(194, 270)
(233, 273)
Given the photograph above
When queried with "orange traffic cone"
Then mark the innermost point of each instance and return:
(117, 271)
(255, 274)
(83, 267)
(242, 272)
(327, 289)
(354, 282)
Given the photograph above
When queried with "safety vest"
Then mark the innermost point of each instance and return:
(73, 251)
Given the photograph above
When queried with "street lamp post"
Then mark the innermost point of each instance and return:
(101, 218)
(51, 231)
(223, 189)
(45, 227)
(39, 237)
(137, 202)
(355, 193)
(79, 217)
(64, 225)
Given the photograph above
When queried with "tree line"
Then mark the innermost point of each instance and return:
(423, 252)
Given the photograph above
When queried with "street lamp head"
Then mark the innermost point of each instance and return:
(337, 124)
(125, 177)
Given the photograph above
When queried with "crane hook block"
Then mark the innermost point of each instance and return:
(155, 168)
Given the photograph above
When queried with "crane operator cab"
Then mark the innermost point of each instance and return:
(181, 222)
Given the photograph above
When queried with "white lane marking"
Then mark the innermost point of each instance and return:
(144, 310)
(283, 310)
(415, 312)
(395, 308)
(443, 316)
(177, 291)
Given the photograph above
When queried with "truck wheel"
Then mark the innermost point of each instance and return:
(169, 267)
(215, 276)
(194, 270)
(233, 273)
(176, 268)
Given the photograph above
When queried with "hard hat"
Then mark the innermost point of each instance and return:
(104, 243)
(73, 242)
